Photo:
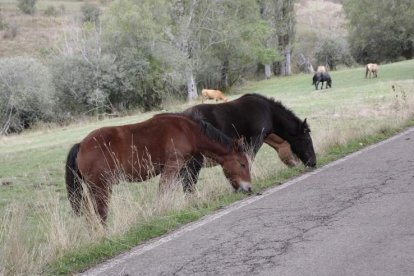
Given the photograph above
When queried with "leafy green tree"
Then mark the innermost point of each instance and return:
(280, 15)
(236, 43)
(380, 30)
(332, 51)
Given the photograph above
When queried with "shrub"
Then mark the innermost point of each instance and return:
(50, 11)
(27, 94)
(3, 23)
(90, 13)
(11, 30)
(27, 6)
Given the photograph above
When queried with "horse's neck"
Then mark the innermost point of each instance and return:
(210, 148)
(285, 127)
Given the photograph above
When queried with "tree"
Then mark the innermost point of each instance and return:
(380, 31)
(280, 15)
(332, 51)
(237, 41)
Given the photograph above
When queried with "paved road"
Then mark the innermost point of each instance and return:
(352, 217)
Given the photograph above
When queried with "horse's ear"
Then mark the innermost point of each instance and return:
(238, 144)
(305, 128)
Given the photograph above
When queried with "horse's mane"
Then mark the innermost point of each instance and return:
(276, 105)
(206, 128)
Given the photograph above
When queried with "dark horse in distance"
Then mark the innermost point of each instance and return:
(255, 118)
(136, 152)
(321, 77)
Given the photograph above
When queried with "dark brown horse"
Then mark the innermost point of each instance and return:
(371, 69)
(160, 145)
(253, 117)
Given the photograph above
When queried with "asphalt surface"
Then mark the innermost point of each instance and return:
(352, 217)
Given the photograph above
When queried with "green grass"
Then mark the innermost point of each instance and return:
(354, 113)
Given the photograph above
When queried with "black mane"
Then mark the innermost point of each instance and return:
(275, 105)
(206, 128)
(213, 133)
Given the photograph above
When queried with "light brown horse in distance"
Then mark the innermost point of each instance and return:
(371, 69)
(208, 94)
(136, 152)
(321, 69)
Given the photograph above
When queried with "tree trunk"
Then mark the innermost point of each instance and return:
(268, 71)
(286, 69)
(225, 75)
(191, 86)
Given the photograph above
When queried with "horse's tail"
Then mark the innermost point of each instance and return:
(73, 180)
(366, 71)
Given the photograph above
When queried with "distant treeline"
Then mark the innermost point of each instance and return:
(135, 54)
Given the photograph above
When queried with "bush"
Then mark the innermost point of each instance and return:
(90, 13)
(27, 94)
(50, 11)
(11, 31)
(125, 84)
(27, 6)
(3, 23)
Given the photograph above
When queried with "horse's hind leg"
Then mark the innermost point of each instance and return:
(99, 197)
(189, 173)
(169, 174)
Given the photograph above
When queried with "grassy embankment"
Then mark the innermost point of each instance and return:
(39, 234)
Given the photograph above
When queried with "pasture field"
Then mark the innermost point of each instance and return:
(39, 234)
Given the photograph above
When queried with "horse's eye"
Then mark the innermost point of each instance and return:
(243, 165)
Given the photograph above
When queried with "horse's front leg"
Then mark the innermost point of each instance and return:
(169, 174)
(189, 173)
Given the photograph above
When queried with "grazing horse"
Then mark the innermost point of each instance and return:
(321, 77)
(321, 69)
(253, 117)
(136, 152)
(212, 94)
(371, 69)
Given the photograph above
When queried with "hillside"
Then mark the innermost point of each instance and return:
(36, 34)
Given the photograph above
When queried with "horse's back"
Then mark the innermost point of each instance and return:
(248, 115)
(213, 94)
(321, 69)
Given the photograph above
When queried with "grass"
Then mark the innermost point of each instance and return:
(39, 234)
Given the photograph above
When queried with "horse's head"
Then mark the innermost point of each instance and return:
(302, 145)
(236, 168)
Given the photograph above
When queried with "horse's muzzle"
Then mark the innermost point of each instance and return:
(311, 164)
(245, 187)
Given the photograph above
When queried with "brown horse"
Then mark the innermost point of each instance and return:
(212, 94)
(371, 69)
(136, 152)
(321, 69)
